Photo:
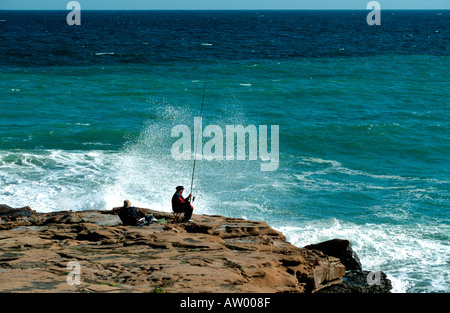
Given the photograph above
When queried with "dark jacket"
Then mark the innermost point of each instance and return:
(129, 216)
(179, 203)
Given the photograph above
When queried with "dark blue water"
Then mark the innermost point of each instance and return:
(43, 38)
(87, 114)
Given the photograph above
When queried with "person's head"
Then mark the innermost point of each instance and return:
(126, 203)
(180, 189)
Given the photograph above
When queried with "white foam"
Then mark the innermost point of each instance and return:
(104, 53)
(410, 255)
(332, 176)
(337, 167)
(49, 180)
(79, 180)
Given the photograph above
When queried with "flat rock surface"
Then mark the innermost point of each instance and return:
(91, 251)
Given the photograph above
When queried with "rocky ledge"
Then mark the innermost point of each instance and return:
(91, 251)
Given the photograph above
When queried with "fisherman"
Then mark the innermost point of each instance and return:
(129, 215)
(182, 205)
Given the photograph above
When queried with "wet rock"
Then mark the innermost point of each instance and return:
(341, 249)
(361, 282)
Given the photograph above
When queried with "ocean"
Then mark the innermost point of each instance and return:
(87, 115)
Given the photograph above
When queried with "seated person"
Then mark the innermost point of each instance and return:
(130, 216)
(182, 205)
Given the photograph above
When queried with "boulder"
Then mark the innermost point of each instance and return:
(355, 280)
(9, 213)
(341, 249)
(361, 282)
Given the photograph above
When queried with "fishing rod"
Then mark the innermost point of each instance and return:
(196, 141)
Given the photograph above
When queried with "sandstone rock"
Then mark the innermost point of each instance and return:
(8, 213)
(211, 254)
(24, 242)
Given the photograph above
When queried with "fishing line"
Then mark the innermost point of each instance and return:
(196, 140)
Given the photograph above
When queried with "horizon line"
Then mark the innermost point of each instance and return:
(348, 9)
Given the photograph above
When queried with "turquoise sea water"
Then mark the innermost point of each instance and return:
(363, 145)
